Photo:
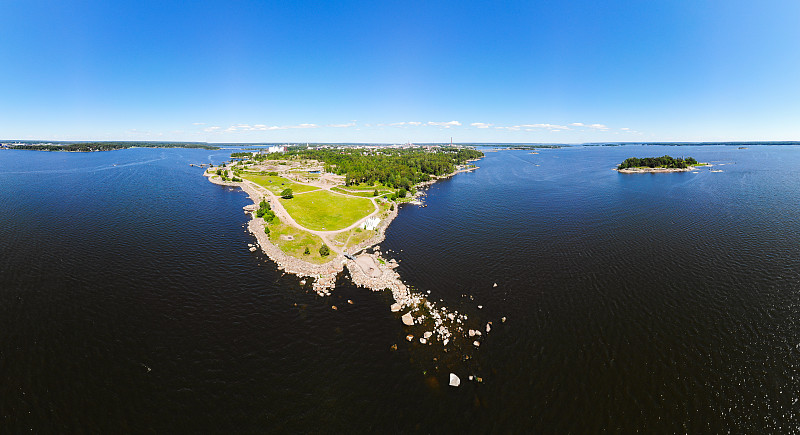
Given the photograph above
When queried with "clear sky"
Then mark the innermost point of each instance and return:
(398, 71)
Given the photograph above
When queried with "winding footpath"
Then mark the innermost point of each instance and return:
(286, 218)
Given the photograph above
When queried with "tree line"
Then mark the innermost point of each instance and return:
(110, 146)
(395, 168)
(658, 162)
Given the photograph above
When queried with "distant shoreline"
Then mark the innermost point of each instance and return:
(645, 170)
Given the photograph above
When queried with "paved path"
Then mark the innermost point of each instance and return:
(286, 218)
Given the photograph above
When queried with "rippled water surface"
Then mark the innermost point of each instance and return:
(652, 302)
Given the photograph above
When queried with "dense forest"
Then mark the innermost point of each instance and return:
(658, 162)
(396, 168)
(109, 146)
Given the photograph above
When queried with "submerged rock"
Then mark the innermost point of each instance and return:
(454, 380)
(409, 337)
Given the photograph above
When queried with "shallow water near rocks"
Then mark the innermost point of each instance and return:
(654, 302)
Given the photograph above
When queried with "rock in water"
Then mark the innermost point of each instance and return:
(395, 308)
(454, 380)
(495, 285)
(407, 319)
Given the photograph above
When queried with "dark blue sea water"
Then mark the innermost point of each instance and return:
(129, 301)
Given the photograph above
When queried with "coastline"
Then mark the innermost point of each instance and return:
(380, 274)
(370, 270)
(658, 170)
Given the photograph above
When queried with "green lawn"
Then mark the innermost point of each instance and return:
(277, 184)
(326, 211)
(364, 193)
(353, 237)
(279, 233)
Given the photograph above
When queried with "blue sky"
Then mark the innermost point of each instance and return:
(391, 71)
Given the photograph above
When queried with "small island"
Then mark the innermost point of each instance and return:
(635, 165)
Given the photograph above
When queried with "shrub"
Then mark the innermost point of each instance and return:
(402, 193)
(307, 251)
(287, 194)
(391, 207)
(266, 229)
(324, 250)
(375, 193)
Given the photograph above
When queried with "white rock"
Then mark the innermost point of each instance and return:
(476, 343)
(488, 327)
(470, 377)
(454, 380)
(503, 319)
(423, 340)
(395, 308)
(409, 337)
(480, 307)
(407, 319)
(427, 334)
(446, 340)
(471, 332)
(253, 249)
(495, 285)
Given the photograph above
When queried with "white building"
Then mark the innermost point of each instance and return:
(370, 223)
(276, 149)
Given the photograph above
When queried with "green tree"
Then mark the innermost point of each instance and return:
(375, 193)
(266, 229)
(324, 250)
(402, 193)
(307, 251)
(287, 194)
(391, 207)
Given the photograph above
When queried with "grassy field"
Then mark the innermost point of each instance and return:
(325, 211)
(364, 193)
(277, 184)
(279, 233)
(353, 237)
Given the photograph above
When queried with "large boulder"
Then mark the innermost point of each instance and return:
(407, 319)
(454, 380)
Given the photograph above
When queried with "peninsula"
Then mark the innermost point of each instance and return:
(662, 164)
(316, 210)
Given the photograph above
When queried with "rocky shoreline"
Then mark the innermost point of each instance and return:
(372, 271)
(657, 170)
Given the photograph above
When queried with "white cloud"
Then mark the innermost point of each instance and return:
(260, 127)
(400, 124)
(594, 126)
(624, 128)
(481, 124)
(350, 124)
(211, 129)
(548, 126)
(198, 123)
(447, 124)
